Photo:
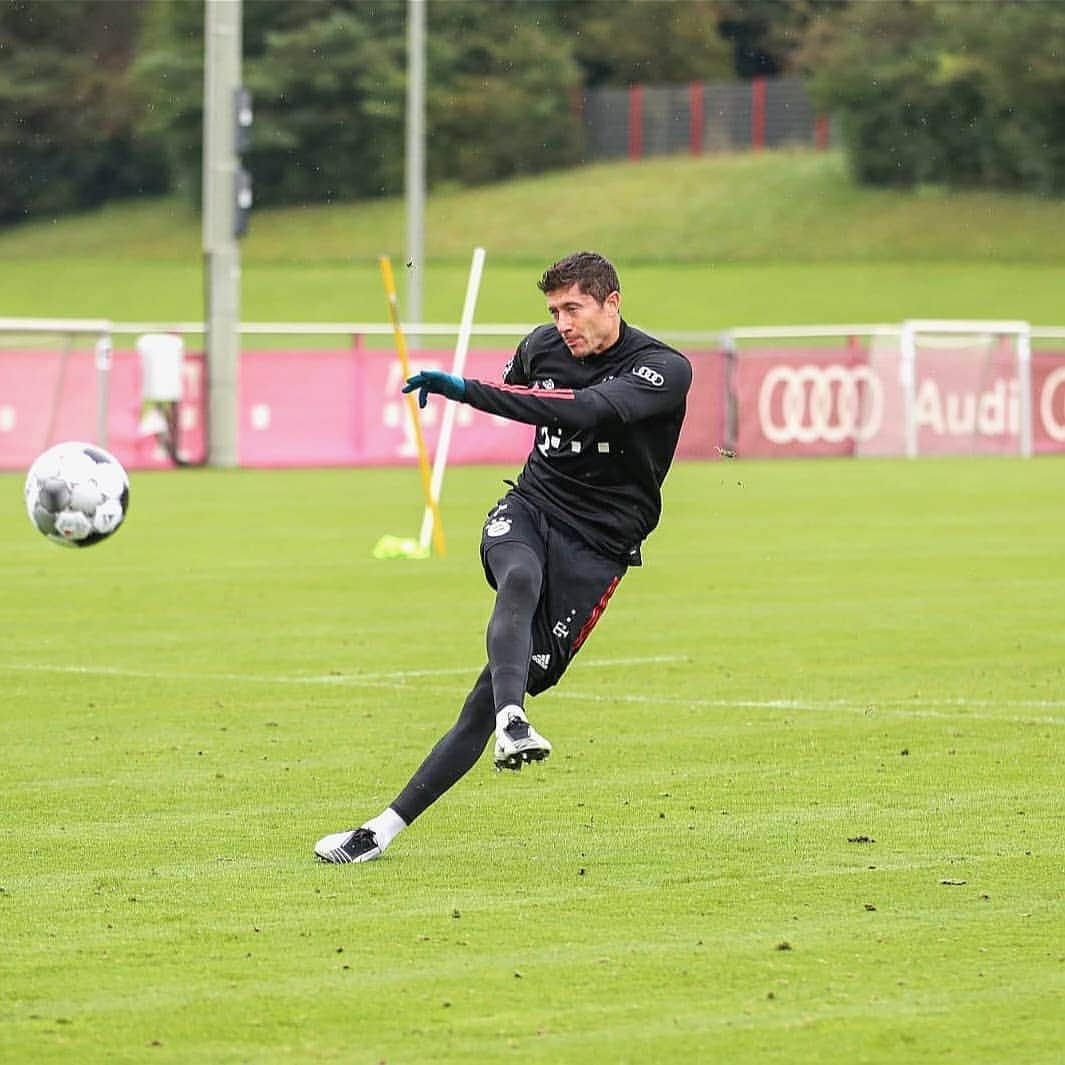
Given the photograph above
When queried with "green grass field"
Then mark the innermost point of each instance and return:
(779, 238)
(804, 805)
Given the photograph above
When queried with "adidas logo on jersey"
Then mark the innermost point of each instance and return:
(543, 661)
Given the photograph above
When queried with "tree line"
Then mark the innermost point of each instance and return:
(101, 99)
(952, 93)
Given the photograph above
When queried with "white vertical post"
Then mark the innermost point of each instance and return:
(222, 74)
(415, 161)
(458, 365)
(1024, 385)
(102, 356)
(908, 384)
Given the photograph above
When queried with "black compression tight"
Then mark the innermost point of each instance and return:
(518, 577)
(454, 754)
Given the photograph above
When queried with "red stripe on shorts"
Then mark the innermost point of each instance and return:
(596, 614)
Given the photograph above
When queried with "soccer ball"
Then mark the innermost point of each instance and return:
(76, 494)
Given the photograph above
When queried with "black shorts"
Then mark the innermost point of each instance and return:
(577, 585)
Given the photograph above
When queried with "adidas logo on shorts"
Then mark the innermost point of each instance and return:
(543, 661)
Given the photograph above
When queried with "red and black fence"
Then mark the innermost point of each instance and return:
(699, 118)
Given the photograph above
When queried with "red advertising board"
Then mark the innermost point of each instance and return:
(331, 408)
(1048, 402)
(813, 402)
(801, 402)
(295, 408)
(47, 397)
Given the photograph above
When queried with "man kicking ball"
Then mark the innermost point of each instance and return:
(608, 402)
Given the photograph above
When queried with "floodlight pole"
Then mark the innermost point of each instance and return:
(222, 77)
(415, 160)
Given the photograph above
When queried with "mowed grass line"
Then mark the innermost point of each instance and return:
(804, 803)
(774, 238)
(663, 298)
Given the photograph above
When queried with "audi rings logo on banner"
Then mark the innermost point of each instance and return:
(1055, 427)
(807, 404)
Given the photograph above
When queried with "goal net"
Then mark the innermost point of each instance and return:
(53, 385)
(953, 388)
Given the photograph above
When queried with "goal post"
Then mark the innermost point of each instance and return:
(922, 387)
(966, 381)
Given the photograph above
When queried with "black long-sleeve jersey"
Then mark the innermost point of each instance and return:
(607, 429)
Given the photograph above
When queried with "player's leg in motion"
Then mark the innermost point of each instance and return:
(494, 703)
(453, 756)
(518, 575)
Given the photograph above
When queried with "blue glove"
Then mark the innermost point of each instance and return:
(437, 382)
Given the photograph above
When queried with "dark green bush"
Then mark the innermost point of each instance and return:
(960, 94)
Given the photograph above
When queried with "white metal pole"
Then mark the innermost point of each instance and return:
(415, 161)
(908, 383)
(103, 350)
(222, 73)
(1024, 384)
(462, 346)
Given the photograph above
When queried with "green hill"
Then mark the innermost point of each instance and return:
(770, 207)
(744, 239)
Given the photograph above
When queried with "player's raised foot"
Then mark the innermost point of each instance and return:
(517, 742)
(355, 845)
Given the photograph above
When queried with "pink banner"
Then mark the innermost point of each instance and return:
(705, 432)
(48, 396)
(799, 402)
(967, 402)
(1048, 404)
(323, 408)
(816, 401)
(333, 408)
(296, 408)
(345, 408)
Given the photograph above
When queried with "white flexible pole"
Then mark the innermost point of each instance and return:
(462, 346)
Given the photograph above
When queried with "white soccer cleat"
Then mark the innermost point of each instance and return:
(355, 845)
(517, 742)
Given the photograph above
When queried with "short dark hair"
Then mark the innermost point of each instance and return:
(589, 271)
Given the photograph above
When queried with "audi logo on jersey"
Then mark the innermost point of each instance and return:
(651, 376)
(806, 404)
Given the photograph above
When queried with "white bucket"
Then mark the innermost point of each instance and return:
(161, 357)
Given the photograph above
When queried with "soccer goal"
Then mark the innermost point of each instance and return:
(966, 387)
(920, 387)
(53, 384)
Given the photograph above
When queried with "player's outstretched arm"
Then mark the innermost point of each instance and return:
(657, 384)
(435, 382)
(583, 409)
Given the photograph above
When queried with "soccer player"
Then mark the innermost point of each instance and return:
(608, 402)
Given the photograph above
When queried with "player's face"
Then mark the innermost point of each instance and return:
(587, 326)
